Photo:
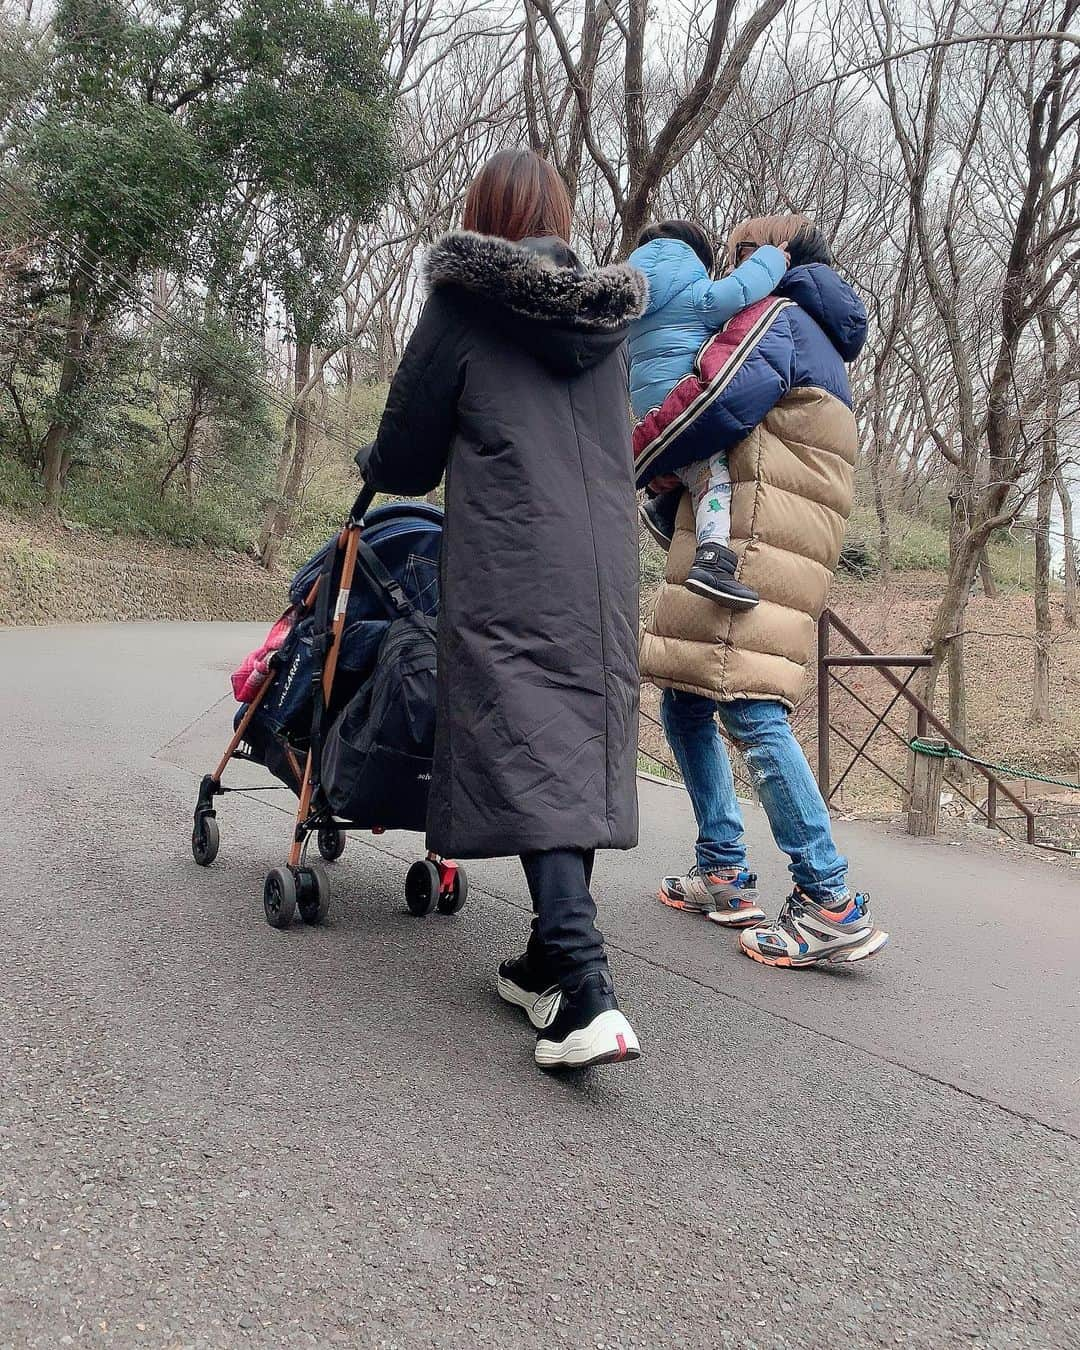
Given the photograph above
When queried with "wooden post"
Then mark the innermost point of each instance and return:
(926, 791)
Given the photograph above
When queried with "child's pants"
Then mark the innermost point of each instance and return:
(709, 484)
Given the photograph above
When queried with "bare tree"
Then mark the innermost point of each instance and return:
(1003, 129)
(574, 63)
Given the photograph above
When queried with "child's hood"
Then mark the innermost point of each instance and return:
(669, 267)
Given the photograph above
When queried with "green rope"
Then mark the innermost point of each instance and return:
(943, 751)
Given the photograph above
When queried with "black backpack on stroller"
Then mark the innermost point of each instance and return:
(404, 538)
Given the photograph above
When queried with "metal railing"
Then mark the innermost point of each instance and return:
(886, 665)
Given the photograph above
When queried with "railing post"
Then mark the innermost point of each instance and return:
(926, 792)
(916, 719)
(991, 803)
(823, 770)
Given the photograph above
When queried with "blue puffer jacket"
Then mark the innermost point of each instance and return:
(751, 367)
(685, 309)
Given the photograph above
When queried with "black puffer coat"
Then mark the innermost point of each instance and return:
(514, 385)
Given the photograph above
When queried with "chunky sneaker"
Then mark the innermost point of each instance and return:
(728, 895)
(713, 576)
(588, 1029)
(527, 987)
(809, 934)
(658, 515)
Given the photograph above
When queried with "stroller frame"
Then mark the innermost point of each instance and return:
(431, 883)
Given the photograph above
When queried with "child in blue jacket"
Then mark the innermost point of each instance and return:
(685, 309)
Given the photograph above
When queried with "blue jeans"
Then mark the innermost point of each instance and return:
(798, 816)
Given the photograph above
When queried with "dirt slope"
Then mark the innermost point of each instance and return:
(53, 575)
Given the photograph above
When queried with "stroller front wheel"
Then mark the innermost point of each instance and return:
(422, 886)
(452, 900)
(279, 897)
(205, 840)
(313, 894)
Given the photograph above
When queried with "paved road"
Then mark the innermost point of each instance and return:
(215, 1134)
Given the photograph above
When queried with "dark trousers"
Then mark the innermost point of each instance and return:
(564, 937)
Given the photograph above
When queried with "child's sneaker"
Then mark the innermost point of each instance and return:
(726, 895)
(713, 576)
(658, 515)
(809, 934)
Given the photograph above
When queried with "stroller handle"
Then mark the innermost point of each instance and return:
(362, 505)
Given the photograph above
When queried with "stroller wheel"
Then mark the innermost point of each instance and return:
(454, 899)
(205, 840)
(279, 897)
(331, 842)
(422, 886)
(313, 894)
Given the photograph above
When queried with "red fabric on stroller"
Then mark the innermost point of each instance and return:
(248, 677)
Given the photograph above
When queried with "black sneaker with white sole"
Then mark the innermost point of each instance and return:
(526, 986)
(658, 515)
(713, 575)
(588, 1028)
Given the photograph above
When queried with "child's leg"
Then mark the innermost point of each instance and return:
(715, 564)
(709, 482)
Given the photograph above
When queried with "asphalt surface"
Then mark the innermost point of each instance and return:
(217, 1134)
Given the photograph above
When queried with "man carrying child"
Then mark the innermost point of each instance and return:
(760, 419)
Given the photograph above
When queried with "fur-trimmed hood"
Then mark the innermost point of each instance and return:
(540, 295)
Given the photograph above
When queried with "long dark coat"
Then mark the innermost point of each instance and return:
(514, 385)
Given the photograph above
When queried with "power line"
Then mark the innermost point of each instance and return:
(125, 234)
(168, 321)
(119, 290)
(24, 122)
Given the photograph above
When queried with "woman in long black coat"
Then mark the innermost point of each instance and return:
(513, 385)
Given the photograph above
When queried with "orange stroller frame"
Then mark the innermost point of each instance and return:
(431, 883)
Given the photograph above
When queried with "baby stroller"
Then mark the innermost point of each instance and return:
(344, 714)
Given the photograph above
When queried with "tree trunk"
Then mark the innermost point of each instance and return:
(1040, 682)
(347, 354)
(986, 575)
(281, 512)
(281, 474)
(877, 451)
(56, 447)
(159, 319)
(324, 405)
(185, 454)
(1071, 579)
(29, 453)
(963, 561)
(1048, 469)
(957, 683)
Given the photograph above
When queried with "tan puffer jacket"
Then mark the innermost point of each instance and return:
(792, 483)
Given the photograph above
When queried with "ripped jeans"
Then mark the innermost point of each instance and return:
(798, 816)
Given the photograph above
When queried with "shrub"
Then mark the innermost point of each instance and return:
(857, 557)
